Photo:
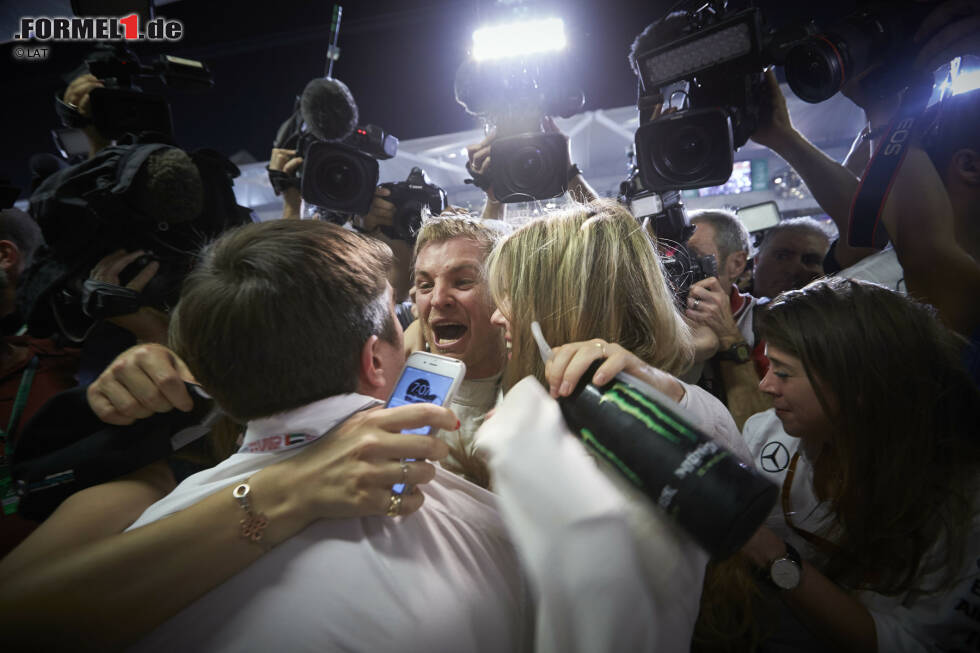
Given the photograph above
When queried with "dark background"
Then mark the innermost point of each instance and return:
(398, 57)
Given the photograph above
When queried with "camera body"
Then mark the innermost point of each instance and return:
(411, 198)
(715, 58)
(121, 109)
(514, 95)
(818, 66)
(342, 175)
(669, 222)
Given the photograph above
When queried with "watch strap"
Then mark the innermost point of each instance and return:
(740, 352)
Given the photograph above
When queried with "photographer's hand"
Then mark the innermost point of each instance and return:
(147, 324)
(381, 213)
(478, 162)
(288, 163)
(775, 127)
(578, 187)
(77, 95)
(708, 304)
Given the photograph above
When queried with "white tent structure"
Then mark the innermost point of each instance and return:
(599, 140)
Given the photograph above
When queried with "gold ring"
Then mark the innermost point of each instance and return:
(602, 347)
(394, 505)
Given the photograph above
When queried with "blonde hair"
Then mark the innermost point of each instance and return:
(457, 223)
(590, 271)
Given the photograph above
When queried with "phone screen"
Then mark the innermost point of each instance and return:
(418, 386)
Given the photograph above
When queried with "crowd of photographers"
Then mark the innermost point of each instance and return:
(192, 450)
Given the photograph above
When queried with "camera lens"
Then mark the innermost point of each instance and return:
(814, 70)
(686, 151)
(338, 178)
(528, 167)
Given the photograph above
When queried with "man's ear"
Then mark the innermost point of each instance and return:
(966, 166)
(9, 256)
(735, 265)
(371, 373)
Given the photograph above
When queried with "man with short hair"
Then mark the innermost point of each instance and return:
(791, 256)
(290, 326)
(716, 302)
(454, 309)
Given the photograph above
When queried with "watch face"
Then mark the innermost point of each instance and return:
(785, 573)
(743, 354)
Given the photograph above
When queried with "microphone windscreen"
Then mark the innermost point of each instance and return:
(328, 108)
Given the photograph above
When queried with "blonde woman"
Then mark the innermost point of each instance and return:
(591, 277)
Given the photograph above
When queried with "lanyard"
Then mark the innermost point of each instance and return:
(8, 497)
(821, 543)
(23, 392)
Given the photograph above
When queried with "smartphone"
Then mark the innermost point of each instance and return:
(426, 378)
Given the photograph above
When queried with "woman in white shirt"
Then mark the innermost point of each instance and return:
(872, 436)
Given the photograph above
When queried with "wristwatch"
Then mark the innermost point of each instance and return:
(739, 352)
(785, 573)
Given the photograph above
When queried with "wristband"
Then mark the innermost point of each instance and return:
(253, 524)
(281, 181)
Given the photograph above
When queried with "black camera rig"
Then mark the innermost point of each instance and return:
(121, 110)
(713, 53)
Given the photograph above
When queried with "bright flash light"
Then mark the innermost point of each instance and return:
(966, 81)
(514, 39)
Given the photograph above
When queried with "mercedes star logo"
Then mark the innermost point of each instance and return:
(774, 457)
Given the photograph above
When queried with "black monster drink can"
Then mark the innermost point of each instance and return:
(718, 499)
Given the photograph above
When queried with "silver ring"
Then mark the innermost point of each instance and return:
(697, 300)
(394, 505)
(404, 471)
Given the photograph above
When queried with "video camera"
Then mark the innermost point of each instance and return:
(121, 109)
(152, 197)
(515, 94)
(413, 197)
(340, 157)
(341, 176)
(714, 57)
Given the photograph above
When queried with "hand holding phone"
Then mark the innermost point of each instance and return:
(426, 378)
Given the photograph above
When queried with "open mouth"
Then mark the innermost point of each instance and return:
(448, 333)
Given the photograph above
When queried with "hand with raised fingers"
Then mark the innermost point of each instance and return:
(568, 363)
(350, 471)
(141, 381)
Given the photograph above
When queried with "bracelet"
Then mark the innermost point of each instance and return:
(253, 524)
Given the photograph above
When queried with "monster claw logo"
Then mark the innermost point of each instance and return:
(418, 390)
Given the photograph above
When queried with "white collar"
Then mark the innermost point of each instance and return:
(304, 424)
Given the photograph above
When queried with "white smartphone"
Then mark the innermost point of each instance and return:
(426, 378)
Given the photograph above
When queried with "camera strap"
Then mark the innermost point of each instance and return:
(101, 300)
(864, 223)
